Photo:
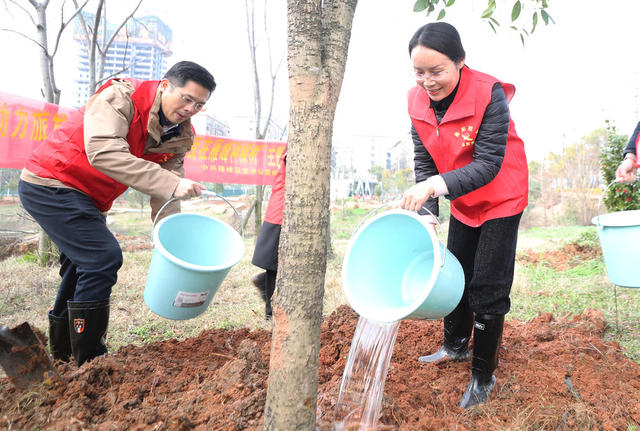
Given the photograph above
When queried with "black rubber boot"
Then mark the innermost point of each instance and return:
(258, 282)
(457, 331)
(269, 288)
(88, 322)
(59, 339)
(487, 337)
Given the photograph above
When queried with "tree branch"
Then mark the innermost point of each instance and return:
(83, 23)
(101, 80)
(33, 21)
(115, 33)
(257, 106)
(64, 24)
(25, 36)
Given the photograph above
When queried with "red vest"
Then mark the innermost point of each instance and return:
(276, 201)
(63, 155)
(451, 145)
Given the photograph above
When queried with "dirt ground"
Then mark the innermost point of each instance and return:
(553, 374)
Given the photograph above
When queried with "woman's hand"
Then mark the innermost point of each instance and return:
(416, 196)
(188, 189)
(626, 172)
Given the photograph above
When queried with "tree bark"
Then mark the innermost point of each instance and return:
(319, 33)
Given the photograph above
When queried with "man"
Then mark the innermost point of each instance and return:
(131, 133)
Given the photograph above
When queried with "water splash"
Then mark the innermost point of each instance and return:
(360, 399)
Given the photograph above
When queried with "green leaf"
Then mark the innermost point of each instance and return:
(535, 21)
(430, 8)
(495, 21)
(491, 7)
(420, 5)
(513, 27)
(492, 27)
(450, 2)
(545, 16)
(522, 39)
(441, 14)
(515, 12)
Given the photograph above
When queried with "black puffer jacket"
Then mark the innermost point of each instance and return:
(488, 153)
(631, 146)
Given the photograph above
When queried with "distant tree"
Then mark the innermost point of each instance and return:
(377, 171)
(618, 197)
(138, 199)
(575, 174)
(262, 124)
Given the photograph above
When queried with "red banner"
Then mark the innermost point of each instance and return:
(25, 123)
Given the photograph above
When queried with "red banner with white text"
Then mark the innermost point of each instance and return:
(25, 123)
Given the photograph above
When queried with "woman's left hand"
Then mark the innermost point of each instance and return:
(416, 196)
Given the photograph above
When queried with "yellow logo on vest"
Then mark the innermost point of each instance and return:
(467, 135)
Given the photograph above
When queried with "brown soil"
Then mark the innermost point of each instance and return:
(553, 374)
(561, 259)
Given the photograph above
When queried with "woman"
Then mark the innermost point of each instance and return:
(466, 149)
(626, 172)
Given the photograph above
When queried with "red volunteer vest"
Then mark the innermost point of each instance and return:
(63, 156)
(451, 145)
(276, 201)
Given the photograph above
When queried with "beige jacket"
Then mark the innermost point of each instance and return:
(106, 125)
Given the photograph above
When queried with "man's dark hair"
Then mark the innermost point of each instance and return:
(441, 37)
(184, 71)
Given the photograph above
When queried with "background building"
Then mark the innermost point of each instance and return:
(140, 50)
(206, 124)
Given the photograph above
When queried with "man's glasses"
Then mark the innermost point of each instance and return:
(189, 101)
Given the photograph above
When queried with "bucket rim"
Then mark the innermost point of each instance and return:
(191, 266)
(618, 215)
(398, 313)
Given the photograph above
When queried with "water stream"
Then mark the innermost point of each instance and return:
(360, 399)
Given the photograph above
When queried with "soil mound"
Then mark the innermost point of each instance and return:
(553, 374)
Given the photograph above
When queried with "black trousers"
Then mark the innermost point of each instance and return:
(487, 254)
(90, 255)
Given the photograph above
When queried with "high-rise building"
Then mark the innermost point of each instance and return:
(139, 50)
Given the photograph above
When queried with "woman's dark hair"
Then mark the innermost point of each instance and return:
(184, 71)
(439, 36)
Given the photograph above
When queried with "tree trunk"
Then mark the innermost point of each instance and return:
(319, 33)
(258, 208)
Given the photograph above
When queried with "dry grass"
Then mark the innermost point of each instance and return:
(29, 291)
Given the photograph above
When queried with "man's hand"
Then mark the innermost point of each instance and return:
(188, 189)
(626, 172)
(416, 196)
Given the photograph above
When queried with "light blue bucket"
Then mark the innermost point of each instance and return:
(396, 268)
(192, 255)
(619, 234)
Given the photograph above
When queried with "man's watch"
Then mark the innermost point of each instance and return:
(629, 156)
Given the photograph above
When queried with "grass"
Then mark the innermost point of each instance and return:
(29, 290)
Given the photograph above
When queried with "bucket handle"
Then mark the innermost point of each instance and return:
(617, 180)
(397, 202)
(203, 193)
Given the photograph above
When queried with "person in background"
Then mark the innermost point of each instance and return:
(131, 133)
(265, 254)
(467, 150)
(628, 169)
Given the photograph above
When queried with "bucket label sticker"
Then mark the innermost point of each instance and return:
(190, 299)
